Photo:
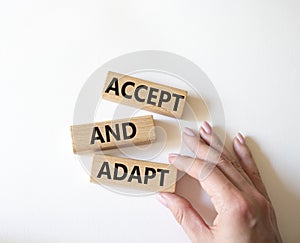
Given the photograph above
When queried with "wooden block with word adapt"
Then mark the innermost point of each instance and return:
(137, 174)
(144, 94)
(112, 134)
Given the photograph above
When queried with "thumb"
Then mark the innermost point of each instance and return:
(191, 222)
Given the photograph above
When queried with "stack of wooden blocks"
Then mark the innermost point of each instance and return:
(92, 137)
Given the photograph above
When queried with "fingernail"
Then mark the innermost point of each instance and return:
(172, 157)
(162, 200)
(206, 127)
(189, 132)
(241, 138)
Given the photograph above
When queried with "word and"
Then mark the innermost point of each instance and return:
(112, 134)
(115, 133)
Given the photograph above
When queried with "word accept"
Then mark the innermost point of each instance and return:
(112, 134)
(144, 94)
(138, 174)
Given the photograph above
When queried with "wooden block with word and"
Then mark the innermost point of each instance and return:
(112, 134)
(137, 174)
(144, 94)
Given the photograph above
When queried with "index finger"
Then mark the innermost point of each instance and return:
(213, 181)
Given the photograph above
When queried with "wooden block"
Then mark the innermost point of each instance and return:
(112, 134)
(138, 174)
(144, 94)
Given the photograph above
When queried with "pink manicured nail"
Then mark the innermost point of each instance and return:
(189, 132)
(206, 127)
(162, 200)
(172, 157)
(240, 137)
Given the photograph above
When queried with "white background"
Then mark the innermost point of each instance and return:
(249, 49)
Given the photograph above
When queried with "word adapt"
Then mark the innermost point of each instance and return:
(112, 134)
(144, 94)
(138, 174)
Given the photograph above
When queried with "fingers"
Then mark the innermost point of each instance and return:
(207, 134)
(207, 153)
(212, 180)
(244, 154)
(200, 148)
(186, 216)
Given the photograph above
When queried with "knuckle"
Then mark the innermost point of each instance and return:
(263, 204)
(222, 162)
(243, 207)
(244, 211)
(256, 175)
(248, 211)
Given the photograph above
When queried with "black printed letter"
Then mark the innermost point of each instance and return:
(125, 171)
(96, 135)
(112, 87)
(104, 170)
(130, 124)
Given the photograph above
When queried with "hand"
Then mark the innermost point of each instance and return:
(244, 210)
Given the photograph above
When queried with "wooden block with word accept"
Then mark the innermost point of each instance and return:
(112, 134)
(144, 94)
(137, 174)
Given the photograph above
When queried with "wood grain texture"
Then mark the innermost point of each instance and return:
(82, 135)
(144, 94)
(116, 171)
